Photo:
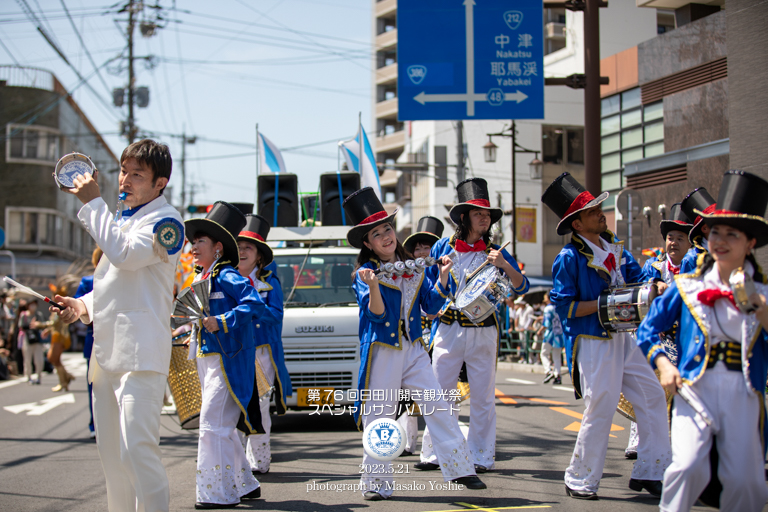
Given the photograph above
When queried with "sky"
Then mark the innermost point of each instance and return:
(301, 69)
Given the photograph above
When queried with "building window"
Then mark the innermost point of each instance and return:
(31, 144)
(561, 144)
(45, 229)
(629, 131)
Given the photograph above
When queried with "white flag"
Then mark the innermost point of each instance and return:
(369, 173)
(270, 159)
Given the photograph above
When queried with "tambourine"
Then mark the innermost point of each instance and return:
(70, 167)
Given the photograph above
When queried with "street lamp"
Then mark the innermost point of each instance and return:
(489, 151)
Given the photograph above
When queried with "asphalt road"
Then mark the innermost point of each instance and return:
(48, 463)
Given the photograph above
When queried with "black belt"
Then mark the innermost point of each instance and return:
(454, 315)
(727, 352)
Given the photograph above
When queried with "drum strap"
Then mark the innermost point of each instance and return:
(454, 315)
(728, 352)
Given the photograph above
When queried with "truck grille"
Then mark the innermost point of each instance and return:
(336, 380)
(313, 353)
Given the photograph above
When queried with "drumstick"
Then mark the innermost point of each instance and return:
(478, 269)
(32, 292)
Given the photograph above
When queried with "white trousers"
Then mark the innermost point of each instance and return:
(551, 358)
(126, 411)
(223, 472)
(257, 449)
(408, 368)
(32, 352)
(634, 438)
(735, 412)
(609, 368)
(411, 426)
(475, 346)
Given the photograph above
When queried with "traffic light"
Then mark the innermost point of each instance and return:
(199, 208)
(331, 199)
(286, 195)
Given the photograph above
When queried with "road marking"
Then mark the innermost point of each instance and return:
(469, 506)
(504, 398)
(563, 388)
(11, 383)
(43, 406)
(576, 425)
(520, 381)
(512, 399)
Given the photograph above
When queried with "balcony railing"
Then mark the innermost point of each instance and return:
(44, 229)
(386, 74)
(23, 76)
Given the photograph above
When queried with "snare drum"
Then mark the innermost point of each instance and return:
(622, 309)
(483, 294)
(185, 385)
(70, 167)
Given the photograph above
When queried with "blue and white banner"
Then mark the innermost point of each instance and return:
(369, 173)
(270, 159)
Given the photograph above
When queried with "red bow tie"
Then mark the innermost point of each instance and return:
(205, 276)
(674, 270)
(610, 262)
(462, 246)
(251, 281)
(407, 276)
(710, 295)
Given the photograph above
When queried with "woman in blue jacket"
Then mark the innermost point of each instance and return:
(255, 258)
(392, 349)
(225, 351)
(722, 357)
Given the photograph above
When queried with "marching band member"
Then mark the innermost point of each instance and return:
(699, 200)
(226, 354)
(456, 339)
(255, 256)
(723, 357)
(593, 261)
(392, 346)
(419, 244)
(129, 306)
(674, 231)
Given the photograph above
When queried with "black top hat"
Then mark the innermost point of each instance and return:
(473, 193)
(700, 200)
(246, 208)
(428, 231)
(741, 203)
(566, 197)
(256, 230)
(223, 222)
(366, 211)
(677, 221)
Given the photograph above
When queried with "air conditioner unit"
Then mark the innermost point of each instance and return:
(554, 30)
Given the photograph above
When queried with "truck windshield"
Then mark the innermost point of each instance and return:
(326, 278)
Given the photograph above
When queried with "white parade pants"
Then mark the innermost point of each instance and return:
(608, 368)
(411, 426)
(126, 411)
(475, 346)
(258, 450)
(408, 368)
(223, 472)
(736, 413)
(551, 358)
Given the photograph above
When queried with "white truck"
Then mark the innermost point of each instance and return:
(320, 324)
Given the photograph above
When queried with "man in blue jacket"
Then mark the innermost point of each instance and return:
(603, 364)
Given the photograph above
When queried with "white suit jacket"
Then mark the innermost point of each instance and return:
(132, 298)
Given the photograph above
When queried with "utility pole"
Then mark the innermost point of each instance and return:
(131, 78)
(459, 151)
(592, 161)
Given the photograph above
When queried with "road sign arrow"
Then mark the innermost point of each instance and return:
(433, 98)
(41, 407)
(469, 23)
(515, 96)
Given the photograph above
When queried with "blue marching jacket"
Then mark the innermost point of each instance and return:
(235, 304)
(652, 268)
(680, 303)
(576, 279)
(384, 329)
(691, 259)
(86, 286)
(444, 247)
(268, 331)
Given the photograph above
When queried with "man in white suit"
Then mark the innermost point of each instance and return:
(130, 308)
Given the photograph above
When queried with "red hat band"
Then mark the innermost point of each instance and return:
(480, 202)
(579, 203)
(373, 218)
(251, 234)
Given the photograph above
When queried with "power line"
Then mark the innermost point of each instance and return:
(82, 43)
(183, 82)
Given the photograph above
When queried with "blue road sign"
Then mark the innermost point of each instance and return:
(470, 59)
